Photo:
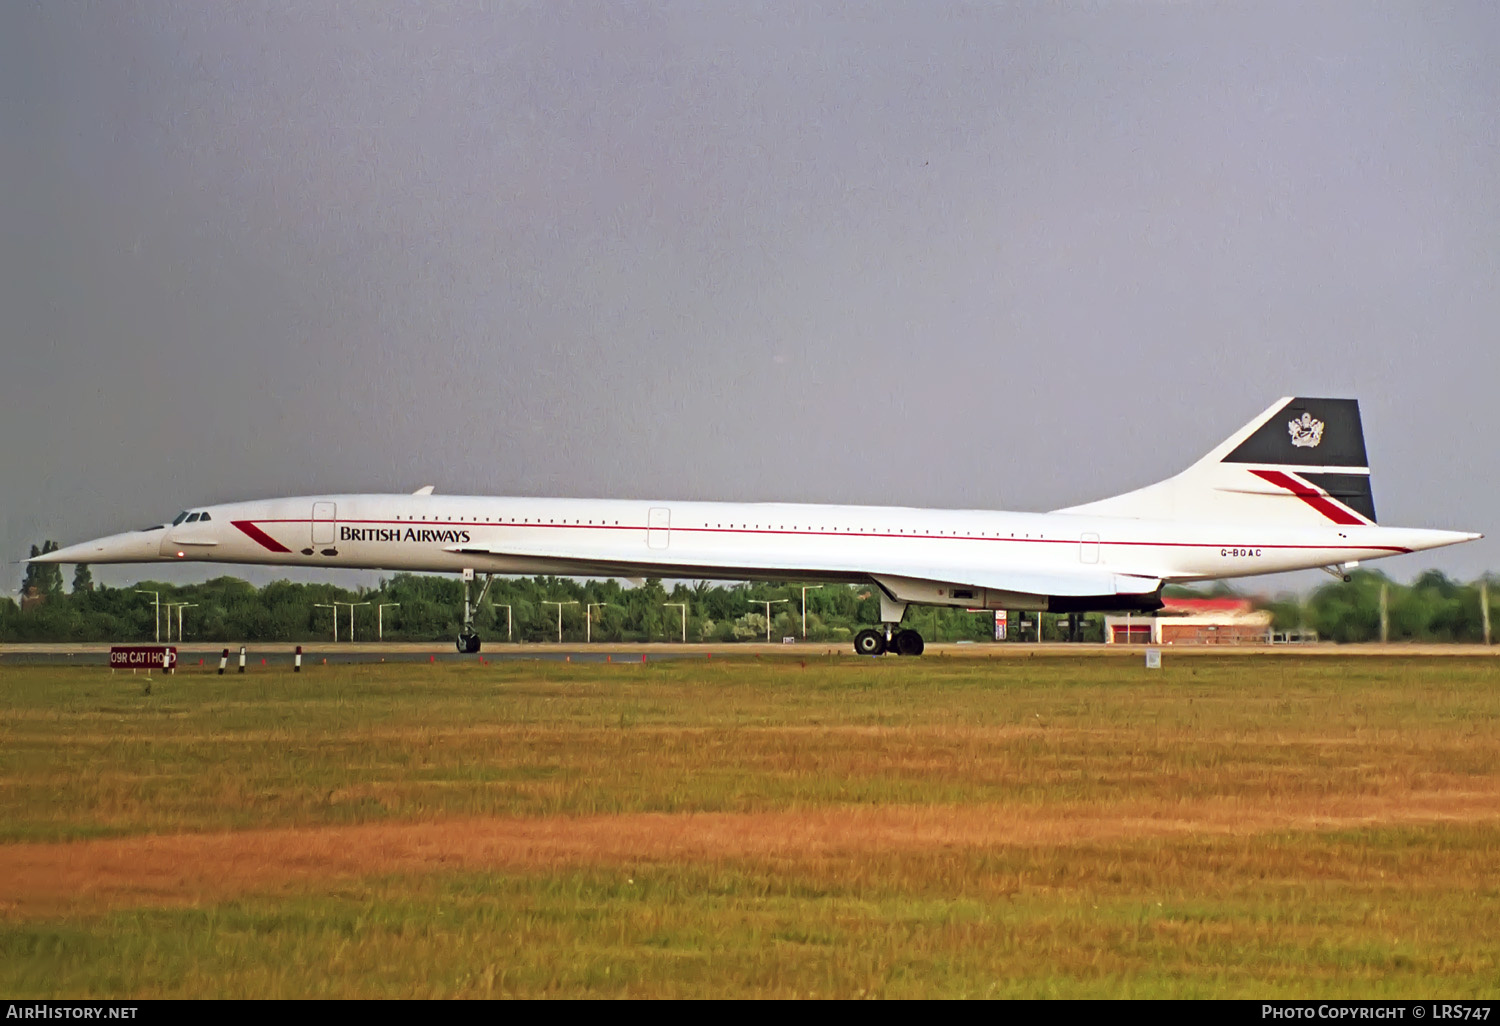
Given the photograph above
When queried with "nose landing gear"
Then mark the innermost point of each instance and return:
(468, 638)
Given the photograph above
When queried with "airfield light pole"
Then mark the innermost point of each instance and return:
(683, 607)
(768, 603)
(805, 589)
(156, 601)
(380, 619)
(588, 635)
(559, 606)
(179, 606)
(325, 605)
(351, 606)
(506, 607)
(169, 606)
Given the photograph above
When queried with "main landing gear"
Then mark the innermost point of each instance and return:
(875, 642)
(468, 638)
(889, 637)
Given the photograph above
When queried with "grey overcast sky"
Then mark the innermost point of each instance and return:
(978, 255)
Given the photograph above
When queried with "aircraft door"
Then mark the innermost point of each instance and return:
(658, 528)
(323, 522)
(1088, 548)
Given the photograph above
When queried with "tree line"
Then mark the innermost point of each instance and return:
(1433, 607)
(430, 608)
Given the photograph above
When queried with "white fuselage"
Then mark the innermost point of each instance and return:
(737, 541)
(1288, 491)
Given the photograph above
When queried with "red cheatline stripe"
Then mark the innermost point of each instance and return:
(1308, 495)
(258, 535)
(853, 534)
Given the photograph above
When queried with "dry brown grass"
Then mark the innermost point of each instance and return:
(198, 868)
(1223, 827)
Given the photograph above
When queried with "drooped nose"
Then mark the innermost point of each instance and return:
(130, 547)
(193, 538)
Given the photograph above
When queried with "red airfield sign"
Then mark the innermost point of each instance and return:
(143, 657)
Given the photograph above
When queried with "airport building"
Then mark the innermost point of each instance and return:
(1192, 621)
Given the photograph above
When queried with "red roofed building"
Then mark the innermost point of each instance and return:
(1193, 621)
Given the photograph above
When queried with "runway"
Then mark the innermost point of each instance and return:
(357, 653)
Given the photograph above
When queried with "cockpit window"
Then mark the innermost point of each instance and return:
(179, 518)
(193, 518)
(205, 516)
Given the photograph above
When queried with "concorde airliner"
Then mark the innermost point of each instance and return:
(1288, 491)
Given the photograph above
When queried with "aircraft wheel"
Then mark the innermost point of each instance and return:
(473, 644)
(869, 643)
(908, 643)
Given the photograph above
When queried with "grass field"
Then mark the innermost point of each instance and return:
(1231, 827)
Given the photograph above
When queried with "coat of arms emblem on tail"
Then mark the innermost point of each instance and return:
(1306, 432)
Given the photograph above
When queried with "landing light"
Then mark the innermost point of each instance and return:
(181, 554)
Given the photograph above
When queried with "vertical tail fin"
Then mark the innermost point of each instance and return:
(1301, 462)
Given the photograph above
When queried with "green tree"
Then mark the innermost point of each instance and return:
(83, 580)
(32, 582)
(1349, 611)
(51, 576)
(1287, 614)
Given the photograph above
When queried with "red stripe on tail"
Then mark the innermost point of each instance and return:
(1309, 495)
(260, 536)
